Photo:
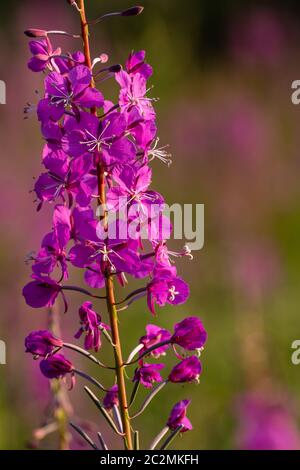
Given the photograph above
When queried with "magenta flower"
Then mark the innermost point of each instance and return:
(110, 255)
(165, 288)
(160, 228)
(41, 292)
(136, 64)
(91, 324)
(42, 343)
(155, 335)
(56, 367)
(132, 185)
(148, 374)
(111, 398)
(189, 334)
(68, 93)
(106, 138)
(67, 182)
(51, 254)
(266, 423)
(133, 95)
(42, 52)
(62, 224)
(178, 417)
(54, 158)
(144, 133)
(82, 223)
(68, 62)
(188, 370)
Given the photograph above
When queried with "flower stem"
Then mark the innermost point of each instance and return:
(113, 316)
(62, 406)
(91, 379)
(119, 362)
(85, 35)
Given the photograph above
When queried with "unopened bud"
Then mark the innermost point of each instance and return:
(133, 11)
(115, 68)
(73, 3)
(112, 69)
(36, 33)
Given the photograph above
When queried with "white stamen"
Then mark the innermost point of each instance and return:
(186, 251)
(160, 153)
(62, 98)
(105, 256)
(173, 293)
(97, 142)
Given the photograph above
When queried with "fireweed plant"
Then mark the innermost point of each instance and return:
(97, 158)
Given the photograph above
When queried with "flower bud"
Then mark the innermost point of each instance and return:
(41, 292)
(111, 398)
(155, 335)
(56, 366)
(133, 11)
(189, 334)
(42, 343)
(90, 325)
(115, 68)
(35, 33)
(178, 417)
(148, 374)
(187, 370)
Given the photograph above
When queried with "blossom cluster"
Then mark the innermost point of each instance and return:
(97, 159)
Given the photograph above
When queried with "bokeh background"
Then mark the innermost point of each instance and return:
(223, 73)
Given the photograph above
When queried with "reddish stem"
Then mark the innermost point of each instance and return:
(109, 281)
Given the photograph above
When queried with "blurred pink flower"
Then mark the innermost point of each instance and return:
(255, 269)
(258, 38)
(264, 425)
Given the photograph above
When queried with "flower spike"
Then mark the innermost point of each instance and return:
(97, 178)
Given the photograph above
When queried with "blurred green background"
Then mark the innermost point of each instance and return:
(223, 73)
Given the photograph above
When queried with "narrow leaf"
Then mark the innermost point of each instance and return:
(84, 435)
(102, 442)
(134, 392)
(134, 353)
(90, 379)
(158, 438)
(103, 411)
(171, 438)
(107, 336)
(149, 399)
(117, 417)
(136, 440)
